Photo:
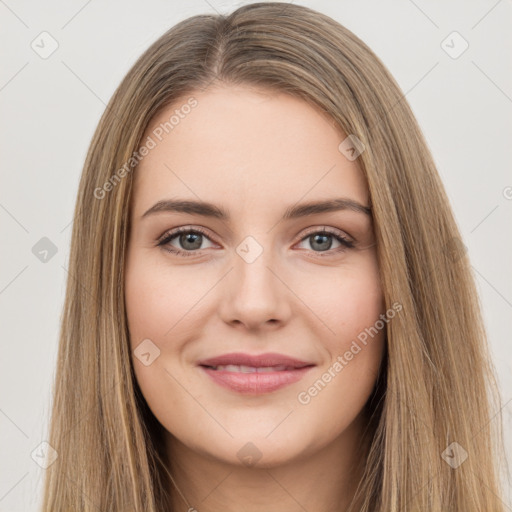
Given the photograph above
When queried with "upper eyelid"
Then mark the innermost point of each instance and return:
(171, 233)
(327, 229)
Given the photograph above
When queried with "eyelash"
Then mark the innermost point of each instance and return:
(167, 237)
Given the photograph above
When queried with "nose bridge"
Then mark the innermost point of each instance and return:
(254, 257)
(256, 295)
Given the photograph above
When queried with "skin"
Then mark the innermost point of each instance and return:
(254, 152)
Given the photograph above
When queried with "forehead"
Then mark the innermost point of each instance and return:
(245, 146)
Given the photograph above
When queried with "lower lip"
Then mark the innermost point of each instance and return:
(256, 383)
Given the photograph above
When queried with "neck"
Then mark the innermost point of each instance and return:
(325, 481)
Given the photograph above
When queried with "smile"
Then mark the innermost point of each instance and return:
(259, 374)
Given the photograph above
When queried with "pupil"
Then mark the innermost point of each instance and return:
(193, 238)
(322, 242)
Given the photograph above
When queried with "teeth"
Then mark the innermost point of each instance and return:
(250, 369)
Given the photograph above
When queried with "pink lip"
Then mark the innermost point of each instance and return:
(256, 383)
(261, 360)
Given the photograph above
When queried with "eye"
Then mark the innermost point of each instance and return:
(189, 239)
(322, 241)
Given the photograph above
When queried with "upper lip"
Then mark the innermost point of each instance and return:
(257, 361)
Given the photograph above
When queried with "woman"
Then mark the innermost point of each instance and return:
(217, 351)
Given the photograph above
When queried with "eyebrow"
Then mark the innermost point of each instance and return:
(207, 209)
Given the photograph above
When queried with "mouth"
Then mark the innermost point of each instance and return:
(247, 374)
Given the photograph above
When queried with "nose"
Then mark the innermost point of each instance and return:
(254, 295)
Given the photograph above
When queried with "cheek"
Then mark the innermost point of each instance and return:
(158, 299)
(358, 307)
(351, 305)
(350, 301)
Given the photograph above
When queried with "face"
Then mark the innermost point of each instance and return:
(247, 314)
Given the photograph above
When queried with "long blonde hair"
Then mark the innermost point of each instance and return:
(437, 384)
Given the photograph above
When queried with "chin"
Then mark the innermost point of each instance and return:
(259, 452)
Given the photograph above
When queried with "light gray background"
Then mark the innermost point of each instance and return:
(50, 108)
